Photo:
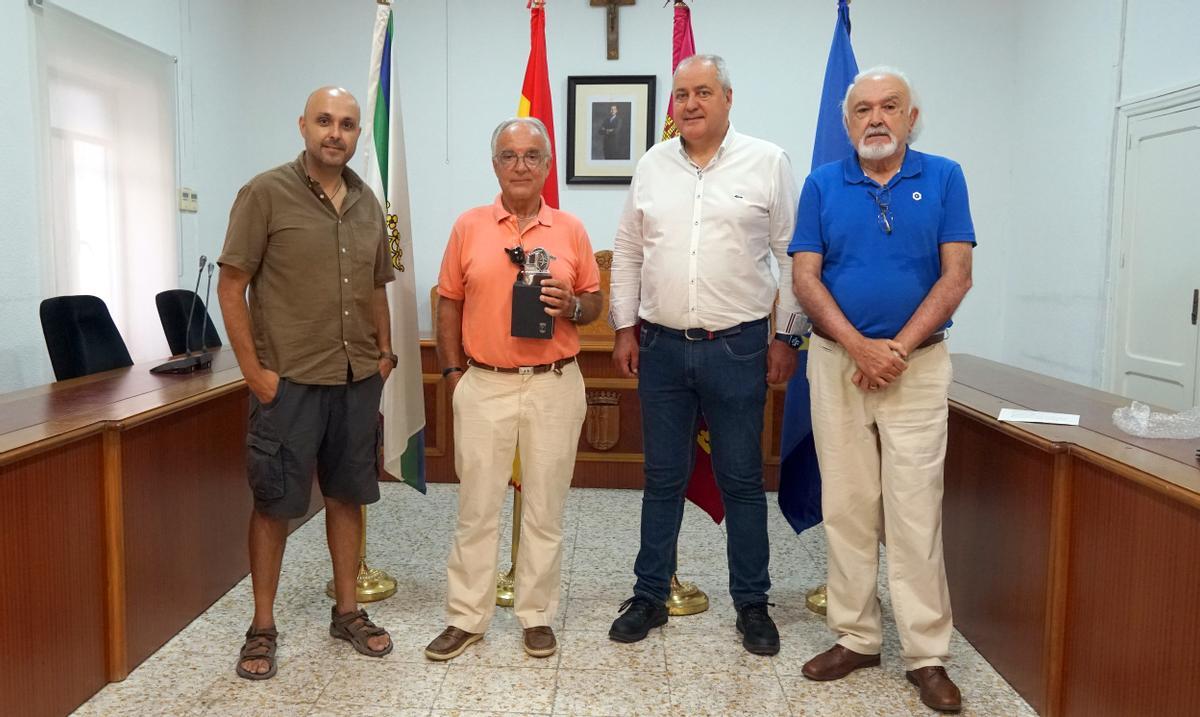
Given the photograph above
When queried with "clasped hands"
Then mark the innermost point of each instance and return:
(879, 361)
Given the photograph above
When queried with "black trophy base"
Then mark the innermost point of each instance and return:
(187, 364)
(529, 317)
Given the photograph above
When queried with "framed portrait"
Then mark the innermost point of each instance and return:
(610, 124)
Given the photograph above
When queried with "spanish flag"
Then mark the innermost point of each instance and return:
(535, 92)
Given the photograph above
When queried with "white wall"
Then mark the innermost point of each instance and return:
(1060, 137)
(23, 360)
(1162, 51)
(1022, 94)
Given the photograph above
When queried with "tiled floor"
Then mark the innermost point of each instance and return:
(693, 666)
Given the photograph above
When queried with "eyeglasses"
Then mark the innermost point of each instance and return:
(883, 201)
(509, 159)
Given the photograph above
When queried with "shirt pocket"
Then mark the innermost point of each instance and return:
(365, 241)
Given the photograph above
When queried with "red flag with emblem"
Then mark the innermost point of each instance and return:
(683, 46)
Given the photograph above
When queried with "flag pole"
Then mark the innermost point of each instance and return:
(372, 584)
(506, 593)
(686, 598)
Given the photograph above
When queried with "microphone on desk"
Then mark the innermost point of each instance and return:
(207, 297)
(190, 363)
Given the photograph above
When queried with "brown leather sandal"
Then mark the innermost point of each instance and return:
(259, 645)
(356, 628)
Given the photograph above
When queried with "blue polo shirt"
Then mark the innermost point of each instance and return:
(879, 279)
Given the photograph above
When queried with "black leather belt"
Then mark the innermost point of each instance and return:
(705, 334)
(555, 366)
(937, 338)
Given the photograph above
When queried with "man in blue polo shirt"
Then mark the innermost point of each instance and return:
(881, 260)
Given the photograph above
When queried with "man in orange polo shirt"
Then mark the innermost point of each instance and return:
(510, 392)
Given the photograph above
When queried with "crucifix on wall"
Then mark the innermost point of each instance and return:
(612, 27)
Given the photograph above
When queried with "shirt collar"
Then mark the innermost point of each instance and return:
(353, 181)
(545, 213)
(910, 167)
(727, 142)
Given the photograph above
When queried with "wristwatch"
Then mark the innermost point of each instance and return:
(577, 314)
(390, 357)
(793, 341)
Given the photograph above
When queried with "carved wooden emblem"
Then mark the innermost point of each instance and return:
(602, 426)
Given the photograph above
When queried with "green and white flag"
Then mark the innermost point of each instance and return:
(403, 404)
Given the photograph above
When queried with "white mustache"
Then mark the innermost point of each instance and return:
(878, 132)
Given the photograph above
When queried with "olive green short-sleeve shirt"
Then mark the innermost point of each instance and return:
(313, 273)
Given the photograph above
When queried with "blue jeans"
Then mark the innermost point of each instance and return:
(724, 380)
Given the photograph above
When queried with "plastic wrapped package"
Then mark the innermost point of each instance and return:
(1137, 419)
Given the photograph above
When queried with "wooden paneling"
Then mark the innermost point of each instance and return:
(1132, 639)
(620, 466)
(186, 505)
(52, 582)
(996, 516)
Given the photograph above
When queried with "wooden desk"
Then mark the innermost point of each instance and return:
(123, 514)
(1073, 553)
(598, 464)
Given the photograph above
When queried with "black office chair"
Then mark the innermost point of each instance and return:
(81, 336)
(173, 306)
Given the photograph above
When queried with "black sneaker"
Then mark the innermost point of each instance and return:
(641, 615)
(759, 635)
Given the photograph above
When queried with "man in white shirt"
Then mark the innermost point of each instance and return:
(691, 266)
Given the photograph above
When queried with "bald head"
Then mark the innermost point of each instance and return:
(329, 93)
(330, 127)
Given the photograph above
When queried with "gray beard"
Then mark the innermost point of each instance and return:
(877, 151)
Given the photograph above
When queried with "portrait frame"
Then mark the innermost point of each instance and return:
(611, 123)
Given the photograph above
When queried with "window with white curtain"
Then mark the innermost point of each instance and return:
(110, 220)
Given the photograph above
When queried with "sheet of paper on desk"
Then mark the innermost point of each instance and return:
(1014, 415)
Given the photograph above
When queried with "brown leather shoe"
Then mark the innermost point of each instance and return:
(938, 691)
(540, 642)
(837, 662)
(451, 643)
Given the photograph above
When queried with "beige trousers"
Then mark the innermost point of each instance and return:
(881, 455)
(494, 413)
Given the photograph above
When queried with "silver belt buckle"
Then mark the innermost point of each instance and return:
(525, 370)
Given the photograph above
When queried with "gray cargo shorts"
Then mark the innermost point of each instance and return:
(334, 429)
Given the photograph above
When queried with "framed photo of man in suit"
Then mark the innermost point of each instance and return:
(610, 124)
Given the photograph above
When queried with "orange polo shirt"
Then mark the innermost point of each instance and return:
(476, 271)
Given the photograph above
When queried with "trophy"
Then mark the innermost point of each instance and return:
(529, 317)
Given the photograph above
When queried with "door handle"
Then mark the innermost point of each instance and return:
(1195, 304)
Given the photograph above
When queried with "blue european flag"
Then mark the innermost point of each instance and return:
(799, 476)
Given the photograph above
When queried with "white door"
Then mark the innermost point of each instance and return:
(1157, 338)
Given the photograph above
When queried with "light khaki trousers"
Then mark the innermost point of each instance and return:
(881, 455)
(494, 413)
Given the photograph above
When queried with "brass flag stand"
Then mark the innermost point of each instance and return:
(815, 599)
(505, 582)
(685, 599)
(373, 584)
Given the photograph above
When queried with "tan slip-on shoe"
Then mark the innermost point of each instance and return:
(540, 642)
(451, 643)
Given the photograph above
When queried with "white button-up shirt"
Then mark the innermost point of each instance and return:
(692, 247)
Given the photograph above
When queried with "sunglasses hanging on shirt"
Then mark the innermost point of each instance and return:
(883, 202)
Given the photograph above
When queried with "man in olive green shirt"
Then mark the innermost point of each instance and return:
(314, 345)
